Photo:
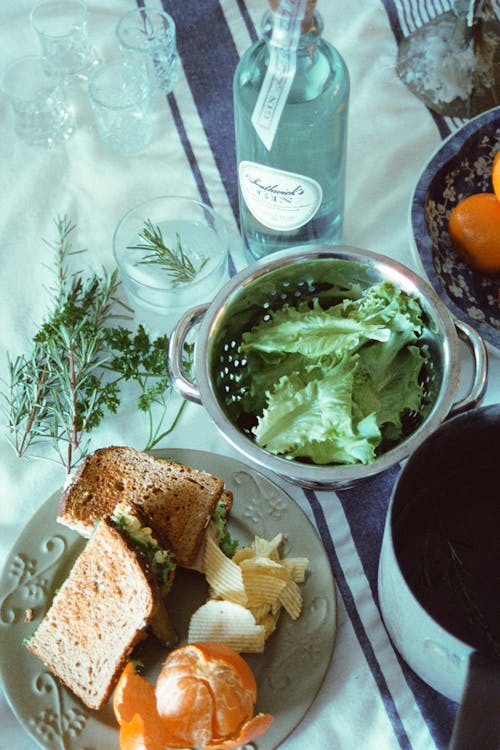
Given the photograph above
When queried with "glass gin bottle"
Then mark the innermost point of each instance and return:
(291, 162)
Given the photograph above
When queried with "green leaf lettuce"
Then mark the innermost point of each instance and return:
(331, 385)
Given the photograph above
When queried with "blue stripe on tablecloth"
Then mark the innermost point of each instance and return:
(192, 68)
(209, 65)
(359, 629)
(188, 150)
(248, 21)
(365, 507)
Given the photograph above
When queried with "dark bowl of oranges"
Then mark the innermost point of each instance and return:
(455, 223)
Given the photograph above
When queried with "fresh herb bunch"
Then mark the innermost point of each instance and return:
(174, 260)
(135, 357)
(61, 391)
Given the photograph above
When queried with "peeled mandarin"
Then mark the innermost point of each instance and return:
(205, 695)
(474, 227)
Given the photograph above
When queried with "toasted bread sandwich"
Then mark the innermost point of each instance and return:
(99, 614)
(178, 502)
(128, 517)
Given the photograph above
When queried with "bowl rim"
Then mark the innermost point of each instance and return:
(311, 475)
(440, 156)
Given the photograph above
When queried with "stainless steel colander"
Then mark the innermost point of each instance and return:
(304, 274)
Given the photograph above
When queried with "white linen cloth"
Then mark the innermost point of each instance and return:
(368, 700)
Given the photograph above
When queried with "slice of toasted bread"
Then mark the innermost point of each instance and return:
(178, 501)
(99, 614)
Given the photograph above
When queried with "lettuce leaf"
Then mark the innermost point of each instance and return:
(312, 333)
(226, 542)
(315, 420)
(331, 385)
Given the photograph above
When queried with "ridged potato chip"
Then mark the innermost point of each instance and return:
(291, 599)
(297, 567)
(261, 588)
(248, 593)
(227, 623)
(223, 575)
(265, 548)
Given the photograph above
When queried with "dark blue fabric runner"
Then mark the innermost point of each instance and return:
(209, 68)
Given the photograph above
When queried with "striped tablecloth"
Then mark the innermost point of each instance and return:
(370, 699)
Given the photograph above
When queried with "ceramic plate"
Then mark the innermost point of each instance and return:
(460, 166)
(289, 673)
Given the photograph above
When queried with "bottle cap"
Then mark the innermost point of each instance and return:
(307, 21)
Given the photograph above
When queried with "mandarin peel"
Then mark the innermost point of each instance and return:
(134, 705)
(252, 729)
(133, 694)
(143, 733)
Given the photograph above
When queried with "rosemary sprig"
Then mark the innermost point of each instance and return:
(62, 389)
(174, 260)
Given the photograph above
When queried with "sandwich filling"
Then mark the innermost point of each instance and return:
(161, 561)
(225, 541)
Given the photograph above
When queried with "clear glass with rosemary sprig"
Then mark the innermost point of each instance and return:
(172, 254)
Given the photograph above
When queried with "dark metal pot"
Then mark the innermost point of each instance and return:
(439, 571)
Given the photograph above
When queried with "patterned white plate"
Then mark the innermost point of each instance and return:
(460, 166)
(289, 674)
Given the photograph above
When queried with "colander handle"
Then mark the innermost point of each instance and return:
(480, 368)
(181, 383)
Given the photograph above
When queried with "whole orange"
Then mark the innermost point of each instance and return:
(474, 227)
(495, 175)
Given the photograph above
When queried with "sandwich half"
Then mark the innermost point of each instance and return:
(99, 614)
(131, 521)
(178, 502)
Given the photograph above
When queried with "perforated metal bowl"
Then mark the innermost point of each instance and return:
(290, 277)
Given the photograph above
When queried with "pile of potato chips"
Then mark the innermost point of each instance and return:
(247, 594)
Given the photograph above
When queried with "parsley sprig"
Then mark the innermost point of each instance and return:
(137, 358)
(175, 260)
(72, 377)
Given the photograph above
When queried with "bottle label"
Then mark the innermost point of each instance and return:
(280, 200)
(281, 69)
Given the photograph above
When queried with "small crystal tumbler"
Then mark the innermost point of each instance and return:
(172, 253)
(147, 37)
(61, 26)
(121, 102)
(35, 93)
